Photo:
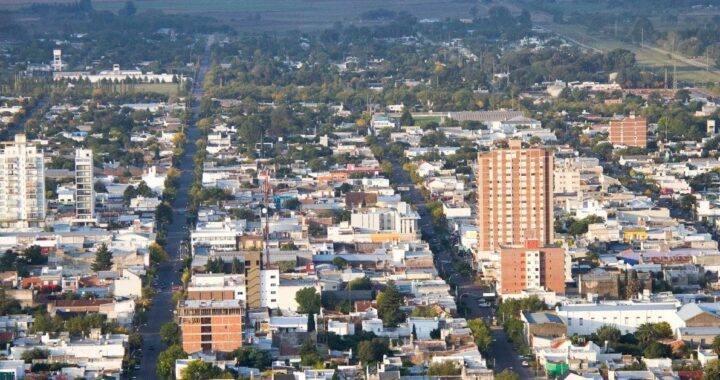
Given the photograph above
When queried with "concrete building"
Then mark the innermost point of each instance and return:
(585, 319)
(211, 326)
(531, 267)
(515, 197)
(84, 186)
(630, 131)
(217, 286)
(22, 184)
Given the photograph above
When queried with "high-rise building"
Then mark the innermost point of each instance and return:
(514, 197)
(57, 60)
(84, 190)
(531, 266)
(22, 184)
(630, 131)
(211, 326)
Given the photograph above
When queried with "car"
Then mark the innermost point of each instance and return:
(525, 363)
(137, 367)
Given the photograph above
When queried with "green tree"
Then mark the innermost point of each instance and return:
(35, 353)
(200, 370)
(608, 333)
(646, 333)
(166, 361)
(507, 374)
(170, 333)
(362, 283)
(371, 351)
(712, 370)
(482, 334)
(389, 302)
(308, 300)
(157, 253)
(446, 368)
(34, 256)
(715, 345)
(657, 350)
(252, 357)
(339, 262)
(406, 119)
(309, 355)
(103, 259)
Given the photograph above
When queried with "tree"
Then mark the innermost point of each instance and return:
(507, 375)
(157, 253)
(215, 265)
(446, 368)
(170, 333)
(389, 303)
(339, 262)
(34, 256)
(608, 333)
(663, 330)
(603, 151)
(103, 259)
(128, 9)
(656, 350)
(646, 333)
(308, 300)
(200, 370)
(309, 355)
(712, 370)
(482, 334)
(715, 345)
(370, 351)
(406, 119)
(166, 361)
(36, 353)
(253, 357)
(362, 283)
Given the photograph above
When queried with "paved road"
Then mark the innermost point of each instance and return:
(169, 273)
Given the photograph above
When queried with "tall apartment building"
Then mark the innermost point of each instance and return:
(630, 131)
(84, 185)
(211, 326)
(22, 184)
(515, 197)
(531, 266)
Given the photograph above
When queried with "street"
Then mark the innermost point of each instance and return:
(168, 273)
(467, 291)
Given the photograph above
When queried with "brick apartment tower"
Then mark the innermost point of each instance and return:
(531, 266)
(630, 131)
(211, 326)
(515, 197)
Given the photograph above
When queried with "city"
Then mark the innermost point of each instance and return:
(327, 190)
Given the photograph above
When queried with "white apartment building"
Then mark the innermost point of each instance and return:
(402, 219)
(22, 184)
(269, 288)
(566, 176)
(587, 318)
(84, 190)
(217, 236)
(218, 283)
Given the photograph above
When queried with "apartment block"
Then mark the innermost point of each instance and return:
(630, 131)
(211, 326)
(84, 185)
(531, 266)
(515, 197)
(22, 184)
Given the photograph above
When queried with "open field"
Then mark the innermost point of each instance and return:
(646, 56)
(169, 89)
(281, 14)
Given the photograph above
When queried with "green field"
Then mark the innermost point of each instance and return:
(645, 56)
(281, 14)
(169, 89)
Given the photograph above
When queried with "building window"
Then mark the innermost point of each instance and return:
(581, 321)
(273, 300)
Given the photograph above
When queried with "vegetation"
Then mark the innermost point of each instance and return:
(103, 259)
(389, 302)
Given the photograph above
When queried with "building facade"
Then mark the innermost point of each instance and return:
(531, 267)
(84, 185)
(630, 131)
(22, 184)
(515, 197)
(211, 326)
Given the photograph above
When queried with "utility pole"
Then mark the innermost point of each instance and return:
(642, 37)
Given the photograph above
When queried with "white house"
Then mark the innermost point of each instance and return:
(585, 319)
(129, 285)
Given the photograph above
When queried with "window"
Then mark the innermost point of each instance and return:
(581, 321)
(273, 300)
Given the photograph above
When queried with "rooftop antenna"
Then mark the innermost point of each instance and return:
(266, 230)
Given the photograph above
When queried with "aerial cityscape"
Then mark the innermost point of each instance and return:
(360, 189)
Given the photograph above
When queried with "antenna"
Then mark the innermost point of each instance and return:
(266, 230)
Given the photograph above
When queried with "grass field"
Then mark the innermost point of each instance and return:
(645, 56)
(169, 89)
(281, 14)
